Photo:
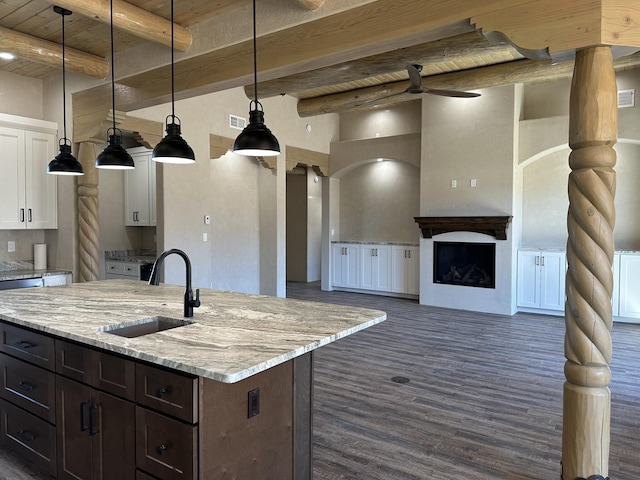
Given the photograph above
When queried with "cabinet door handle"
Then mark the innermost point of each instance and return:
(161, 448)
(23, 344)
(537, 260)
(542, 261)
(405, 254)
(408, 253)
(25, 435)
(30, 216)
(26, 386)
(161, 391)
(82, 426)
(92, 408)
(22, 215)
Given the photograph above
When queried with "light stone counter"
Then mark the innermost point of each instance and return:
(234, 335)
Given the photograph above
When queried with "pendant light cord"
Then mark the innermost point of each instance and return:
(255, 57)
(173, 99)
(113, 76)
(64, 86)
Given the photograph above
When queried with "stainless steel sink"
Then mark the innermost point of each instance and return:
(144, 326)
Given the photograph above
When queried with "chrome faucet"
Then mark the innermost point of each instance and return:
(154, 279)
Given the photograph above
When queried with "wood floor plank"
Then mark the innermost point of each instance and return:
(484, 399)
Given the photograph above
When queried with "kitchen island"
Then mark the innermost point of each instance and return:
(225, 394)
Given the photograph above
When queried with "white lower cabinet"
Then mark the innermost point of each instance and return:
(627, 294)
(406, 270)
(377, 268)
(541, 279)
(345, 265)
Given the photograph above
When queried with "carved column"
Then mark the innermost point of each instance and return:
(588, 313)
(88, 220)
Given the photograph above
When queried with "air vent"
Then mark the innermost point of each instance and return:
(626, 98)
(237, 122)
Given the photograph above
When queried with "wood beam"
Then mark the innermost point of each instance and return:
(131, 19)
(310, 4)
(308, 158)
(50, 53)
(452, 49)
(519, 71)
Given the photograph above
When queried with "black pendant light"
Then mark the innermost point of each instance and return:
(114, 156)
(173, 148)
(64, 163)
(256, 140)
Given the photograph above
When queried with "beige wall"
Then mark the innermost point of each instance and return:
(386, 122)
(21, 95)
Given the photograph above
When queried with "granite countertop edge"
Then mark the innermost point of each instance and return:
(234, 335)
(33, 273)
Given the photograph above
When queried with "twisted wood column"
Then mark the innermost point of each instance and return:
(88, 219)
(588, 313)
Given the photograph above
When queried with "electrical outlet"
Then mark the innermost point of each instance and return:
(454, 184)
(207, 219)
(11, 246)
(205, 237)
(474, 183)
(253, 399)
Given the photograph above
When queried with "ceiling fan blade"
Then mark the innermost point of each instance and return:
(415, 79)
(451, 93)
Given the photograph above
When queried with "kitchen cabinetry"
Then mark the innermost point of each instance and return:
(375, 267)
(28, 195)
(626, 301)
(122, 270)
(345, 265)
(140, 189)
(541, 279)
(406, 270)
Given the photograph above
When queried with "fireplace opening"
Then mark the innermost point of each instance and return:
(466, 264)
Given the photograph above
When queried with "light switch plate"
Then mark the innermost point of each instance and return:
(11, 246)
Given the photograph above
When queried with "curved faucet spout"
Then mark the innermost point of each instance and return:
(154, 279)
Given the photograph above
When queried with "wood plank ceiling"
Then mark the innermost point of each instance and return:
(349, 85)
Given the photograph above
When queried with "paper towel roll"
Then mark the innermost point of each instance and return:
(40, 256)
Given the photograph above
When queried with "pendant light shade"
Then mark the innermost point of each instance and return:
(64, 163)
(256, 140)
(173, 148)
(114, 156)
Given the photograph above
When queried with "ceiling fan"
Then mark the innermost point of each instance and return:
(416, 87)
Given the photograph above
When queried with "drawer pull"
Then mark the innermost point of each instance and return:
(82, 426)
(25, 435)
(24, 345)
(92, 408)
(161, 391)
(26, 386)
(161, 448)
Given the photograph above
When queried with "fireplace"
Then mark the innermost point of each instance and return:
(465, 264)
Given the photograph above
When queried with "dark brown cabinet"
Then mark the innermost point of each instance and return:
(96, 435)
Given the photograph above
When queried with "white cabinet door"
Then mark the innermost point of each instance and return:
(41, 188)
(405, 265)
(553, 272)
(541, 279)
(629, 285)
(139, 190)
(345, 265)
(375, 267)
(28, 195)
(12, 179)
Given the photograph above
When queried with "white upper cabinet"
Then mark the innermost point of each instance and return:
(28, 195)
(140, 190)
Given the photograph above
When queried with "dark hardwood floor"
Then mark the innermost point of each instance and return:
(483, 401)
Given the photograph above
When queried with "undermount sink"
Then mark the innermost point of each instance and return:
(144, 326)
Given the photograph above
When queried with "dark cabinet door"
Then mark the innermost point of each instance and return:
(113, 437)
(74, 447)
(96, 434)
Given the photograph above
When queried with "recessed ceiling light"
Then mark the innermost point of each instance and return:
(7, 56)
(380, 160)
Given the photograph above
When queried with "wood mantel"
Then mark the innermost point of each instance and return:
(494, 226)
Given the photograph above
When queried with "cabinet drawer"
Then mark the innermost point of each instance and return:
(102, 370)
(28, 386)
(168, 392)
(165, 447)
(31, 346)
(123, 269)
(32, 437)
(140, 475)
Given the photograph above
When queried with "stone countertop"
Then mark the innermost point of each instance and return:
(30, 273)
(355, 242)
(133, 259)
(234, 335)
